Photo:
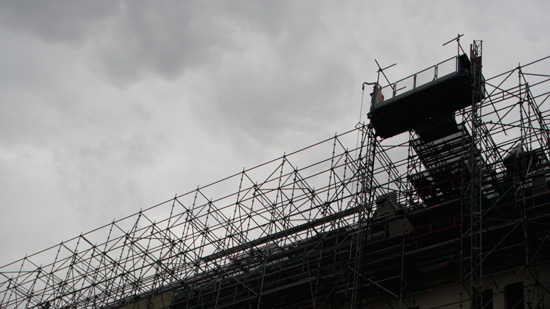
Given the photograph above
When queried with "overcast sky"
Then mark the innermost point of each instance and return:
(107, 107)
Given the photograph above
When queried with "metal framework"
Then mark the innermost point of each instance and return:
(476, 180)
(353, 221)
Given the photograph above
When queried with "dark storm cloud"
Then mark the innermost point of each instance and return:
(57, 20)
(160, 38)
(167, 38)
(261, 66)
(286, 72)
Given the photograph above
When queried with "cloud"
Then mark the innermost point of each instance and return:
(163, 39)
(55, 21)
(113, 106)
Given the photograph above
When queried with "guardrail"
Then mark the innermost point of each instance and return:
(428, 75)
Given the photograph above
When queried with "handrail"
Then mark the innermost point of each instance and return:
(420, 78)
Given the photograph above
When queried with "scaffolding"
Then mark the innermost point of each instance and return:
(354, 221)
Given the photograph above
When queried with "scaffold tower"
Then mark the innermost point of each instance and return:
(441, 200)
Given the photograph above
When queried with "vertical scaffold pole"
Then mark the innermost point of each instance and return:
(365, 198)
(476, 207)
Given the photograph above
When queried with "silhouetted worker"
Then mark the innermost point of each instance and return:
(376, 95)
